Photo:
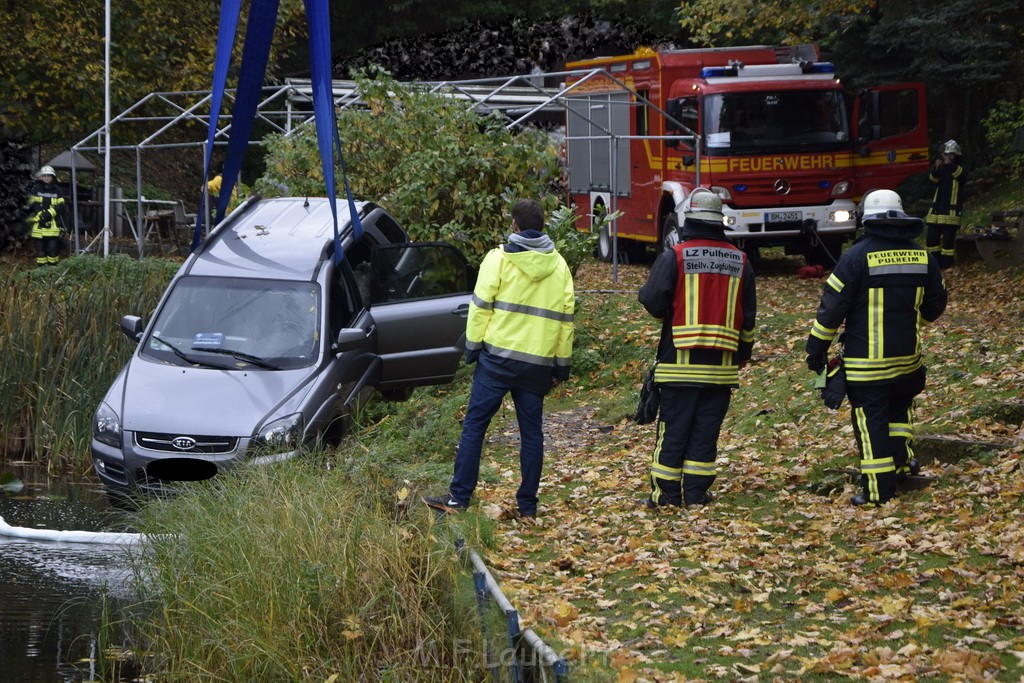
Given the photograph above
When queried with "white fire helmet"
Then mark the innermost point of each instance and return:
(46, 170)
(883, 205)
(951, 147)
(703, 205)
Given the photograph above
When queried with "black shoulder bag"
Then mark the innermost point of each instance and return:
(650, 399)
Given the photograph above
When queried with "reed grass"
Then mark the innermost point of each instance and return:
(301, 572)
(61, 347)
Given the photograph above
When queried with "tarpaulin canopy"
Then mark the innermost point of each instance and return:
(68, 158)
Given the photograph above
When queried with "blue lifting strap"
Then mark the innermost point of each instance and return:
(229, 11)
(328, 141)
(255, 54)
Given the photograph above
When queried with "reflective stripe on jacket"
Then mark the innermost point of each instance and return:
(709, 280)
(44, 198)
(885, 289)
(703, 291)
(948, 200)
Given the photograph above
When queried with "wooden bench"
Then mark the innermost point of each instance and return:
(1002, 243)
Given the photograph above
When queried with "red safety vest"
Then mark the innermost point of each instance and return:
(709, 295)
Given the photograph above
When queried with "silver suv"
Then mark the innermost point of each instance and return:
(265, 341)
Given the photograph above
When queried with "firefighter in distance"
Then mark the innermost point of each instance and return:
(44, 204)
(944, 216)
(883, 288)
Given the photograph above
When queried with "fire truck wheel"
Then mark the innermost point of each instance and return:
(669, 232)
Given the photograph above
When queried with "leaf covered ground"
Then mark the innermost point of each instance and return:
(781, 578)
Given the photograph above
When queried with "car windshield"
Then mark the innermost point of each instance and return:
(235, 322)
(770, 122)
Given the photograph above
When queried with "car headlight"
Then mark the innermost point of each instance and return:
(106, 426)
(282, 434)
(840, 216)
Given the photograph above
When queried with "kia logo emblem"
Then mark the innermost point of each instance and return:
(782, 186)
(184, 443)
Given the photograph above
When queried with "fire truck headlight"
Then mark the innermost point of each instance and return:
(722, 192)
(839, 216)
(841, 188)
(730, 221)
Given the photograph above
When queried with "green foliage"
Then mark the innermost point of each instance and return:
(727, 22)
(15, 177)
(62, 347)
(443, 171)
(1001, 129)
(575, 245)
(52, 73)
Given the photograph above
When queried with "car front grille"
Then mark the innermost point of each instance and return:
(185, 444)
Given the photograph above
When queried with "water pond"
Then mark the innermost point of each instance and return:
(52, 594)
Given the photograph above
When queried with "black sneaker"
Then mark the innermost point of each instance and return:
(446, 504)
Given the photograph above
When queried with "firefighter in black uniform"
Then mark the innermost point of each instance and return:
(883, 287)
(44, 204)
(947, 208)
(703, 292)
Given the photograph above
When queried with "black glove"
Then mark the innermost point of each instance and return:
(817, 362)
(45, 218)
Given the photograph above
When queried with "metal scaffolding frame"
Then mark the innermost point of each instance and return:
(158, 119)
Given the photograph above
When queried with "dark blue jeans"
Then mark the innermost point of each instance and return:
(484, 401)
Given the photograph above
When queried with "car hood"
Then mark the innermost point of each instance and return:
(190, 400)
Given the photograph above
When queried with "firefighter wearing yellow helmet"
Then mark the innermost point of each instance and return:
(943, 219)
(44, 204)
(883, 288)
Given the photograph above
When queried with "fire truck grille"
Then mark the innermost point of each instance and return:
(801, 191)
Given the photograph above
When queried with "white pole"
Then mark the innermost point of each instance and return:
(106, 132)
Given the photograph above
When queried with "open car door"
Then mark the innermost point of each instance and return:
(419, 302)
(890, 136)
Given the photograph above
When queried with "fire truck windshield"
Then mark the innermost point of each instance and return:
(772, 122)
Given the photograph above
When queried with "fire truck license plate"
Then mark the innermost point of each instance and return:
(783, 216)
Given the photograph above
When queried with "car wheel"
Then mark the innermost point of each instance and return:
(402, 394)
(336, 430)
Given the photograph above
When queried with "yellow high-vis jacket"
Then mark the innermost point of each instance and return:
(521, 316)
(44, 204)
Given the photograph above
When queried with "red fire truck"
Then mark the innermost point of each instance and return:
(769, 129)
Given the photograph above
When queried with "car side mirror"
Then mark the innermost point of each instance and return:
(349, 338)
(131, 325)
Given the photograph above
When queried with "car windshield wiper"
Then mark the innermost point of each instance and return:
(181, 354)
(241, 355)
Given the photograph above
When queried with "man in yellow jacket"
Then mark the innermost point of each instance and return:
(519, 334)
